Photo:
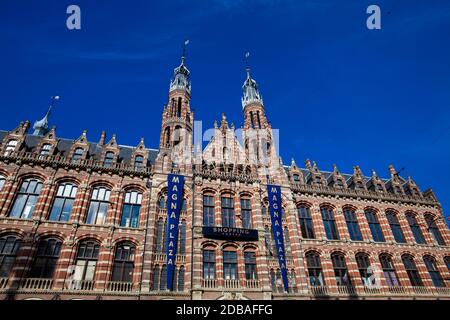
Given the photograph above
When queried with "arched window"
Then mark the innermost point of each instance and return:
(389, 270)
(10, 147)
(365, 271)
(2, 182)
(267, 241)
(9, 245)
(138, 163)
(163, 278)
(167, 137)
(395, 227)
(435, 275)
(45, 151)
(292, 281)
(209, 264)
(62, 206)
(352, 224)
(329, 223)
(246, 213)
(415, 228)
(434, 230)
(162, 202)
(225, 153)
(124, 263)
(306, 224)
(340, 269)
(179, 108)
(374, 226)
(208, 210)
(250, 265)
(273, 281)
(279, 281)
(314, 269)
(160, 236)
(264, 209)
(177, 134)
(26, 199)
(77, 155)
(181, 273)
(182, 241)
(46, 259)
(227, 211)
(131, 209)
(86, 262)
(411, 270)
(98, 206)
(155, 285)
(230, 271)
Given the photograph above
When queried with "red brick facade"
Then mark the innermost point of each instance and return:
(130, 261)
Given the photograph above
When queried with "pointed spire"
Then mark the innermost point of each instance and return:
(224, 122)
(41, 126)
(392, 170)
(181, 73)
(308, 164)
(293, 164)
(250, 88)
(335, 169)
(102, 138)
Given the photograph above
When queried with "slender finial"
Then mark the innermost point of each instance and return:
(247, 66)
(52, 103)
(183, 57)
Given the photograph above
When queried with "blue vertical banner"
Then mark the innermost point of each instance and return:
(174, 202)
(274, 194)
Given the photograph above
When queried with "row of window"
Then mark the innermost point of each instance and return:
(307, 229)
(230, 264)
(329, 222)
(48, 251)
(77, 154)
(227, 212)
(30, 189)
(367, 272)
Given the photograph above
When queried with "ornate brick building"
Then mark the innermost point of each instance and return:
(86, 220)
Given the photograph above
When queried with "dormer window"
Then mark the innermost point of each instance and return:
(138, 162)
(318, 180)
(339, 184)
(77, 155)
(109, 157)
(397, 189)
(380, 187)
(359, 185)
(296, 178)
(45, 151)
(10, 147)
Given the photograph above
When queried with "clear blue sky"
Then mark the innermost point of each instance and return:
(338, 92)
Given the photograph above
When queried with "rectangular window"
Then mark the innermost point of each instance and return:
(230, 265)
(228, 212)
(246, 212)
(209, 264)
(250, 265)
(208, 211)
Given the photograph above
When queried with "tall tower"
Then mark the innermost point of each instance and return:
(177, 117)
(257, 131)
